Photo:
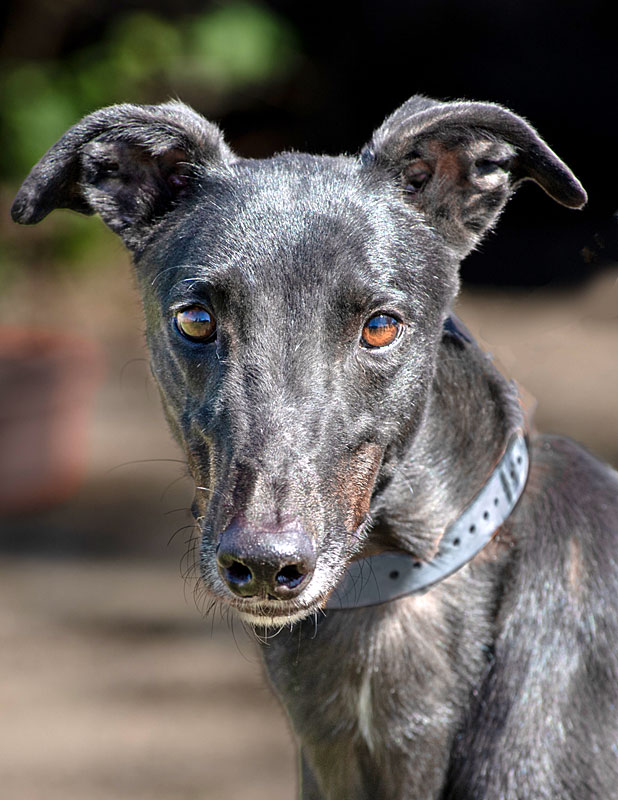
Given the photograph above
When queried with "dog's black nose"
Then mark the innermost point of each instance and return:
(275, 562)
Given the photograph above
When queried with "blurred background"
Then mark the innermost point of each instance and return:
(112, 684)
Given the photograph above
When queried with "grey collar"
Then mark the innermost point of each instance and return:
(388, 576)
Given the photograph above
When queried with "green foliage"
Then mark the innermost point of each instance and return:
(238, 45)
(209, 60)
(38, 104)
(141, 58)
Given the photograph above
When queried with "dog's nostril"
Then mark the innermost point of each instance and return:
(290, 576)
(275, 562)
(238, 574)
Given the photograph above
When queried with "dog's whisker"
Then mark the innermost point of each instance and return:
(191, 525)
(185, 509)
(171, 484)
(146, 461)
(175, 268)
(128, 364)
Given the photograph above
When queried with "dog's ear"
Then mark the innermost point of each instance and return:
(128, 163)
(459, 162)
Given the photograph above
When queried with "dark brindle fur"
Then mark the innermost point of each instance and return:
(309, 448)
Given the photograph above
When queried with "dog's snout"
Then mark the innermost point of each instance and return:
(263, 561)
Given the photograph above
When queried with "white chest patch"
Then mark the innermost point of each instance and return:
(365, 711)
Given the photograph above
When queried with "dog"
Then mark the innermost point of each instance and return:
(436, 584)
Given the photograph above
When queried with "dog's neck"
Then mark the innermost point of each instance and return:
(470, 417)
(391, 575)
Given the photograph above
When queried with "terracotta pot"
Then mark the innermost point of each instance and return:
(47, 385)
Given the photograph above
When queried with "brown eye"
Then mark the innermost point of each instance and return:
(380, 330)
(196, 323)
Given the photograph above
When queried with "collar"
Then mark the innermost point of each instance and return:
(388, 576)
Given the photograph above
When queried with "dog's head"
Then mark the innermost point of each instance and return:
(294, 308)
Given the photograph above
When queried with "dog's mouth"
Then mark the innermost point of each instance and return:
(272, 616)
(266, 612)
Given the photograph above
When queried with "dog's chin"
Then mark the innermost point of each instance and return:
(271, 618)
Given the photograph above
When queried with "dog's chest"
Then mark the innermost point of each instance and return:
(371, 696)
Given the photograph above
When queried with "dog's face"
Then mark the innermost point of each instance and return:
(294, 308)
(292, 334)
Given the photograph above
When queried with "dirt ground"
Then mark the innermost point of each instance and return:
(114, 687)
(112, 684)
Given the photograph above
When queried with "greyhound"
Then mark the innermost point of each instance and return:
(436, 584)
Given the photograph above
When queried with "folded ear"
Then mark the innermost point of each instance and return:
(130, 164)
(459, 163)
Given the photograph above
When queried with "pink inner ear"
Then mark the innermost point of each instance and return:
(174, 167)
(416, 175)
(446, 161)
(437, 159)
(177, 183)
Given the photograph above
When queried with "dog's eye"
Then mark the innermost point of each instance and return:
(196, 323)
(380, 330)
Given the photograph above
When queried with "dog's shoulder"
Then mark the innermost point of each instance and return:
(553, 676)
(567, 526)
(576, 485)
